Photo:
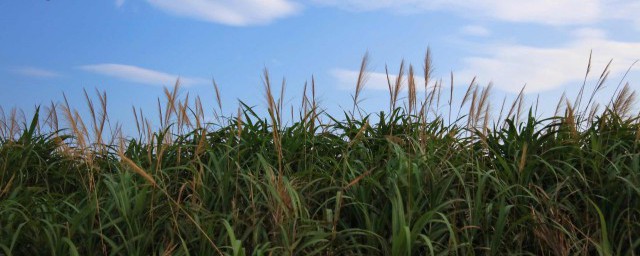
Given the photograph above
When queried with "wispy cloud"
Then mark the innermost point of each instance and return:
(475, 30)
(35, 72)
(229, 12)
(510, 66)
(347, 79)
(140, 75)
(550, 12)
(119, 3)
(625, 10)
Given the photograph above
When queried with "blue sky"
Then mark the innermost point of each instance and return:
(132, 48)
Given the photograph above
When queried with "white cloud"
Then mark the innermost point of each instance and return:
(140, 75)
(510, 66)
(550, 12)
(475, 30)
(119, 3)
(371, 5)
(347, 79)
(35, 72)
(229, 12)
(624, 10)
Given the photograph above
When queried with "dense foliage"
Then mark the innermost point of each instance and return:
(398, 183)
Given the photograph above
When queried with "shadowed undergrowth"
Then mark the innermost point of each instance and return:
(423, 178)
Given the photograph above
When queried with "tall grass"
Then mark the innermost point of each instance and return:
(423, 178)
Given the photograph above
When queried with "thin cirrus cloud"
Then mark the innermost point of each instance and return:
(35, 72)
(229, 12)
(548, 12)
(346, 79)
(140, 75)
(475, 30)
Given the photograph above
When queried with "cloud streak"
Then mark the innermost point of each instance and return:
(347, 79)
(35, 72)
(140, 75)
(475, 30)
(548, 12)
(229, 12)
